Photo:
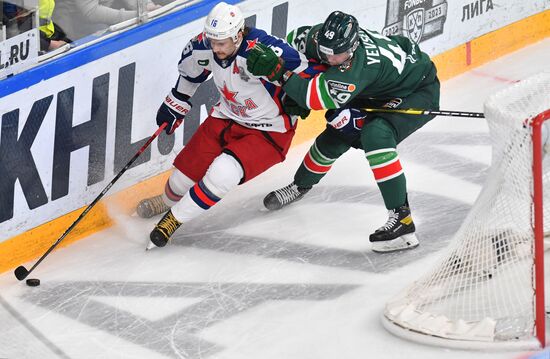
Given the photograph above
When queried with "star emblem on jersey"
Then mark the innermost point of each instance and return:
(250, 44)
(228, 94)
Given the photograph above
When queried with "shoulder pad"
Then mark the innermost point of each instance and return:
(255, 33)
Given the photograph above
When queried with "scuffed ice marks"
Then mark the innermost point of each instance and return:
(434, 233)
(440, 216)
(176, 335)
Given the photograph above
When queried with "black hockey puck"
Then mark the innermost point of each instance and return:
(33, 282)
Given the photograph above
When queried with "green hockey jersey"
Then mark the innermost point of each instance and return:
(383, 67)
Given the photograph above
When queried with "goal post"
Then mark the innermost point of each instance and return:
(538, 223)
(487, 291)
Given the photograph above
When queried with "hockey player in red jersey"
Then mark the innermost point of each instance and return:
(246, 132)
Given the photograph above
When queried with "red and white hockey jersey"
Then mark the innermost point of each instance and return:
(251, 101)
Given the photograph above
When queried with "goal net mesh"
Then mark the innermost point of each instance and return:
(483, 288)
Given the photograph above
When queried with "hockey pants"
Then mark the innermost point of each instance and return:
(379, 138)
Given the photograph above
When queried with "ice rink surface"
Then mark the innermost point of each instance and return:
(244, 283)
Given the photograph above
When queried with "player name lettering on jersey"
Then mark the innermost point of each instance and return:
(371, 49)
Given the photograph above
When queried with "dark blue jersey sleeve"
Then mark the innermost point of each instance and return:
(294, 60)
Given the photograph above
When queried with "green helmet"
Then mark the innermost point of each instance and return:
(339, 34)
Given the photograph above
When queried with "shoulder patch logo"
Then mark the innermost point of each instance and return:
(341, 86)
(203, 62)
(250, 44)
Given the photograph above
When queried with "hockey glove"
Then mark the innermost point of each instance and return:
(262, 61)
(347, 121)
(173, 110)
(290, 107)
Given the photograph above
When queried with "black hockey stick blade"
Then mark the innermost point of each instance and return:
(21, 273)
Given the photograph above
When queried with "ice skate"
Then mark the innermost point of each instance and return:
(284, 196)
(397, 234)
(162, 232)
(151, 207)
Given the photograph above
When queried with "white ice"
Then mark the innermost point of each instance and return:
(244, 283)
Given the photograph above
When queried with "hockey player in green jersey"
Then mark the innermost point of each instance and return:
(367, 70)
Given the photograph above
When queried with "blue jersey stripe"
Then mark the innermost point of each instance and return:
(196, 80)
(271, 88)
(197, 200)
(207, 192)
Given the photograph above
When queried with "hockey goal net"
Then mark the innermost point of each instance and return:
(488, 291)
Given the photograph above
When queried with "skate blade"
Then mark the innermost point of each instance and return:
(406, 241)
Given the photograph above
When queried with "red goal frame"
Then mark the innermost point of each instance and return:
(538, 226)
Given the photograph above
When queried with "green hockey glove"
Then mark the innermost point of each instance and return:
(290, 107)
(262, 61)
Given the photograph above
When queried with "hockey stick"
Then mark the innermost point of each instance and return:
(411, 111)
(21, 272)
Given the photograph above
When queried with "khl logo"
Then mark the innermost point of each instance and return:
(418, 20)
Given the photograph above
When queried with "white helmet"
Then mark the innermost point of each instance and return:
(224, 21)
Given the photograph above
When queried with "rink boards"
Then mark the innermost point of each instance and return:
(68, 126)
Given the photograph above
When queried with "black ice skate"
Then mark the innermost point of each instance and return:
(162, 232)
(150, 207)
(397, 234)
(284, 196)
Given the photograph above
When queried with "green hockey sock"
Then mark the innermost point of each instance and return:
(389, 176)
(314, 167)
